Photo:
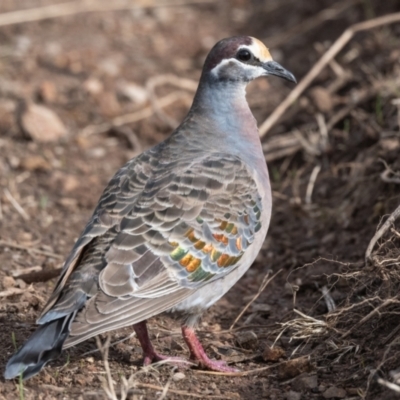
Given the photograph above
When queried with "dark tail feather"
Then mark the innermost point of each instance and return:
(43, 346)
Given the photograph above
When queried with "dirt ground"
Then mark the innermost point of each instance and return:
(326, 325)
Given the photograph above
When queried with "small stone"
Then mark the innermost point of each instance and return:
(133, 92)
(273, 353)
(35, 163)
(109, 67)
(42, 124)
(70, 183)
(178, 376)
(293, 395)
(48, 92)
(334, 393)
(93, 86)
(97, 152)
(109, 105)
(294, 367)
(30, 299)
(307, 382)
(90, 360)
(247, 340)
(322, 99)
(20, 283)
(261, 308)
(8, 282)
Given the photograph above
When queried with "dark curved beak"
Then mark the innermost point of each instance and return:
(274, 68)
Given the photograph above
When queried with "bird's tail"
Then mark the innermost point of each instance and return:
(43, 346)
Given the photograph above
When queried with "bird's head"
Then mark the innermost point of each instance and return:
(242, 58)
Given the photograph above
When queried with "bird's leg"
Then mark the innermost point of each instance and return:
(149, 354)
(198, 354)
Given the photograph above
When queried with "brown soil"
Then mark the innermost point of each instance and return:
(78, 66)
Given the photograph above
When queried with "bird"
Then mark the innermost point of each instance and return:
(175, 228)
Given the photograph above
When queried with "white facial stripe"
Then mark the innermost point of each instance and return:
(252, 71)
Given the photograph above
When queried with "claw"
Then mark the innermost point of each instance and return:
(197, 353)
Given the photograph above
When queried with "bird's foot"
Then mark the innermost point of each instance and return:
(214, 365)
(150, 356)
(198, 355)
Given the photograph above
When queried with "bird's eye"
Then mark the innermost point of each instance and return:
(244, 55)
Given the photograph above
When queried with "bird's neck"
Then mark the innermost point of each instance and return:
(220, 111)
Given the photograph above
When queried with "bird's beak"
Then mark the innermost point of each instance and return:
(274, 68)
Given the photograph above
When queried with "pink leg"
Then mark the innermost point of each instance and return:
(198, 354)
(149, 354)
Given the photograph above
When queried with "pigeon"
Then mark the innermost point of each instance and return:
(175, 228)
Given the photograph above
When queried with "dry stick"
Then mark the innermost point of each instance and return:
(108, 386)
(388, 175)
(4, 243)
(170, 79)
(389, 385)
(264, 284)
(130, 118)
(243, 373)
(79, 7)
(346, 36)
(395, 214)
(16, 205)
(396, 102)
(311, 23)
(14, 291)
(369, 316)
(180, 392)
(311, 183)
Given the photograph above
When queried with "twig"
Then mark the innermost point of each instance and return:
(167, 385)
(133, 117)
(323, 130)
(242, 373)
(79, 7)
(311, 183)
(169, 79)
(395, 214)
(4, 243)
(109, 385)
(359, 97)
(14, 291)
(388, 175)
(16, 205)
(133, 334)
(338, 45)
(263, 285)
(310, 23)
(330, 303)
(389, 385)
(396, 102)
(182, 392)
(369, 316)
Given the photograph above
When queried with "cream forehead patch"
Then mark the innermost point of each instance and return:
(259, 50)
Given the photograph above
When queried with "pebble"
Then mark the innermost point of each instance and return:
(334, 392)
(247, 340)
(307, 381)
(42, 124)
(178, 376)
(8, 282)
(272, 353)
(293, 395)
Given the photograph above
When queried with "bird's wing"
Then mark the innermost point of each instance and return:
(156, 237)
